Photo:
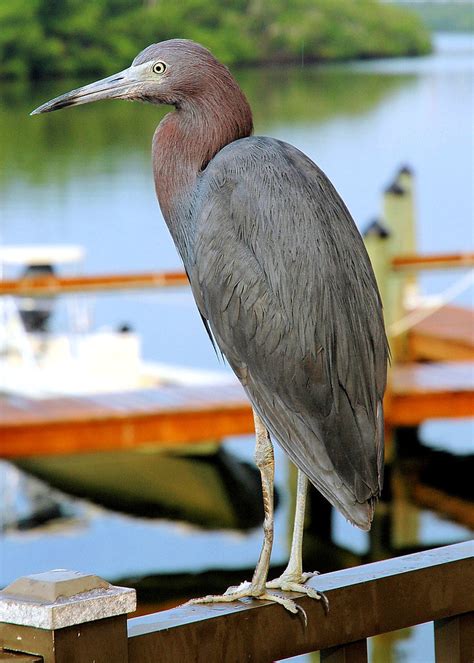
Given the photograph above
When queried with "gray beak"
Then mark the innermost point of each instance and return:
(118, 86)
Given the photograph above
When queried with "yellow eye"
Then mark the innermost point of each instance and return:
(159, 67)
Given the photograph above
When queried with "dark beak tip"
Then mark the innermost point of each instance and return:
(41, 109)
(50, 106)
(107, 88)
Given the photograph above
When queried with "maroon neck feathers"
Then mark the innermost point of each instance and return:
(186, 140)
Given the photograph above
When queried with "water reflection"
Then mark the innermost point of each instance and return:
(207, 486)
(99, 138)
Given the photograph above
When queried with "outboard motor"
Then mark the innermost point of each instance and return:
(36, 312)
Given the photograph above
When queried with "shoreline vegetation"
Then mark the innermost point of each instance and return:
(64, 38)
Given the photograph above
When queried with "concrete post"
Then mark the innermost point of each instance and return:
(66, 617)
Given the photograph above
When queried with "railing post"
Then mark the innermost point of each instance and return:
(454, 638)
(65, 616)
(353, 652)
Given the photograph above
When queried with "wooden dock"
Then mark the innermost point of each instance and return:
(446, 334)
(418, 392)
(161, 415)
(181, 415)
(173, 416)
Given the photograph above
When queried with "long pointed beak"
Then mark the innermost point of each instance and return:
(118, 86)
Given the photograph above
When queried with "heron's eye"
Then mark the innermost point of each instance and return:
(159, 68)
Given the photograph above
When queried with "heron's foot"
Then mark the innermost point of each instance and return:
(294, 582)
(247, 590)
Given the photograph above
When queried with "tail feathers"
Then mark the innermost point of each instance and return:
(307, 450)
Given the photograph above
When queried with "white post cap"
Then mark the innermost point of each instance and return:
(60, 598)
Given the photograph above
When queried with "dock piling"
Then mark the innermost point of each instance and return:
(377, 241)
(399, 218)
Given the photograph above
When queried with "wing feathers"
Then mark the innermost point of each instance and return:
(283, 277)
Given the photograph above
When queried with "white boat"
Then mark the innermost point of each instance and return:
(40, 363)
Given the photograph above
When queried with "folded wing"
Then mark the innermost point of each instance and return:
(283, 279)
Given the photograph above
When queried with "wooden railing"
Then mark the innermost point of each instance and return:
(54, 285)
(418, 261)
(364, 601)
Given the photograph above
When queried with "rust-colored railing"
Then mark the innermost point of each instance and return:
(364, 601)
(433, 261)
(55, 285)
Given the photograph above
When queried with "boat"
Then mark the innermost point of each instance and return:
(198, 484)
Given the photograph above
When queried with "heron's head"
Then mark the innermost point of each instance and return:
(172, 72)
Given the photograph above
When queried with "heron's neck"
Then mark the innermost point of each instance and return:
(184, 143)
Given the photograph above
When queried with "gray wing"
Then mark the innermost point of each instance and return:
(282, 276)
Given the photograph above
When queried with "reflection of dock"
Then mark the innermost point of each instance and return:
(183, 415)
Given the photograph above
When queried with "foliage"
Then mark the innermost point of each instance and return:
(41, 38)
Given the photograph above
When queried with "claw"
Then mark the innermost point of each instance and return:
(325, 601)
(304, 615)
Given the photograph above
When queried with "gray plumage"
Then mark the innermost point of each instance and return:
(277, 267)
(280, 272)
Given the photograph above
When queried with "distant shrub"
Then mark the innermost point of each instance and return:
(41, 38)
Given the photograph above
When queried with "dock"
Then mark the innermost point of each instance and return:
(177, 415)
(447, 334)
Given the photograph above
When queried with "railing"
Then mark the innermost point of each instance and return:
(40, 286)
(433, 261)
(435, 585)
(53, 285)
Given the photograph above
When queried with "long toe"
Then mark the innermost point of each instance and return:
(289, 586)
(295, 583)
(289, 578)
(246, 590)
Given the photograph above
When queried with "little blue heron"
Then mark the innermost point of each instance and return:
(281, 279)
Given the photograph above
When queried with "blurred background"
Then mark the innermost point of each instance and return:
(380, 95)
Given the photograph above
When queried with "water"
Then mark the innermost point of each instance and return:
(83, 176)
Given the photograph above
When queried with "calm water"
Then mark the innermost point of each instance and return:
(83, 176)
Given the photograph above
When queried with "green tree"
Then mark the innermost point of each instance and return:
(40, 38)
